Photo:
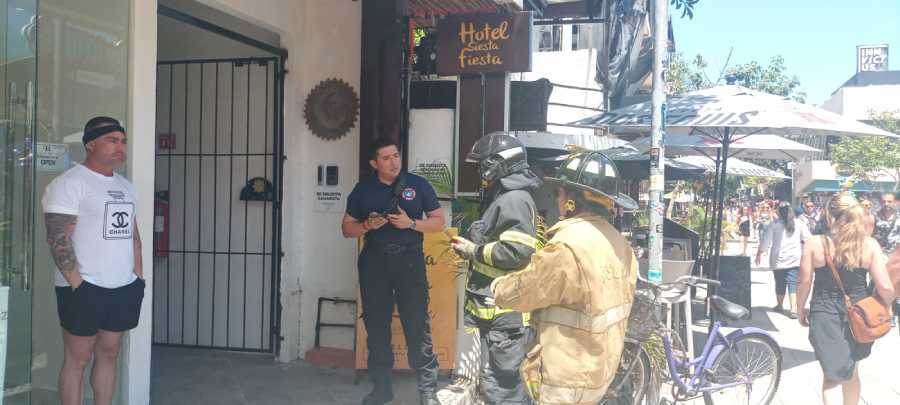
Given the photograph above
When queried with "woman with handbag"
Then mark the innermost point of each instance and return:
(835, 266)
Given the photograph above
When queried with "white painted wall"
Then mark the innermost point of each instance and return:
(142, 117)
(323, 40)
(573, 68)
(857, 102)
(318, 261)
(178, 40)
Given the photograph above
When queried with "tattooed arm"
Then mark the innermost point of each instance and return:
(138, 263)
(59, 237)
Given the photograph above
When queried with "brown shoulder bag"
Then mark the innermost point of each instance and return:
(869, 318)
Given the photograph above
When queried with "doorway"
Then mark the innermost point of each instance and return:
(18, 74)
(217, 227)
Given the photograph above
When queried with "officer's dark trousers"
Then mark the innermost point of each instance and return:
(503, 348)
(388, 274)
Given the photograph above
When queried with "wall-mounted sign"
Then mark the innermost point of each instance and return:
(872, 58)
(165, 141)
(484, 43)
(51, 157)
(329, 199)
(258, 189)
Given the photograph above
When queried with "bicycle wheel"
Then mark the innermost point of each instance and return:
(754, 359)
(630, 383)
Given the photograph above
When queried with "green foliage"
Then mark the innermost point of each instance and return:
(686, 76)
(771, 79)
(686, 7)
(863, 158)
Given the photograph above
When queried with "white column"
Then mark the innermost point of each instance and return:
(141, 170)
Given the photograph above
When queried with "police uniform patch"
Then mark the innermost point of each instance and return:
(408, 194)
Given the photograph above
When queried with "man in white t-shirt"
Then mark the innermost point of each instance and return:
(90, 215)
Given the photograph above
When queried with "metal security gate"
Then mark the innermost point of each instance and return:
(217, 228)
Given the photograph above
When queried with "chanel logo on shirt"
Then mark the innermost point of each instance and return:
(117, 220)
(116, 194)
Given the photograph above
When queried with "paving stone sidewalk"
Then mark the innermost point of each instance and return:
(183, 376)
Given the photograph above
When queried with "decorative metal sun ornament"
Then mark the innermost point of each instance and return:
(331, 109)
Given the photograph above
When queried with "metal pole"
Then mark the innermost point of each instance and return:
(657, 129)
(726, 142)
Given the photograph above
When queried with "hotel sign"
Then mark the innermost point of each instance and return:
(484, 43)
(871, 58)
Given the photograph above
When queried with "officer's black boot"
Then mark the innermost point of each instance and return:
(428, 398)
(383, 391)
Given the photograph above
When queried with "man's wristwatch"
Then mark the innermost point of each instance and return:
(413, 226)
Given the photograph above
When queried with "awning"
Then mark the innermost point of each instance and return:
(428, 8)
(833, 186)
(736, 167)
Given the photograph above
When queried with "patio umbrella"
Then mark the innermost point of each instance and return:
(727, 114)
(551, 148)
(758, 146)
(736, 167)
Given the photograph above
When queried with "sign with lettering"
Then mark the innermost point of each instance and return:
(871, 58)
(329, 199)
(484, 43)
(443, 272)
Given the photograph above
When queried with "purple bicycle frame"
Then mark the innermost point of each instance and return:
(715, 344)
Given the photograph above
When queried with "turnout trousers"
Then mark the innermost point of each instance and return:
(503, 348)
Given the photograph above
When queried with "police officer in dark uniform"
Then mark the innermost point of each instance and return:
(393, 210)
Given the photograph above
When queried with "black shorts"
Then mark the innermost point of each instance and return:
(90, 308)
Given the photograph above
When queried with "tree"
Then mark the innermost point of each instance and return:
(771, 79)
(865, 158)
(686, 76)
(686, 7)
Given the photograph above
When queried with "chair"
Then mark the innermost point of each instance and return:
(671, 271)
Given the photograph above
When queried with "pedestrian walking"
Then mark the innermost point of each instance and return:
(745, 224)
(783, 240)
(810, 217)
(887, 224)
(887, 233)
(869, 215)
(392, 210)
(500, 242)
(89, 212)
(763, 219)
(580, 287)
(855, 255)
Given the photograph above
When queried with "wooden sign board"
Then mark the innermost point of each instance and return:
(441, 267)
(484, 43)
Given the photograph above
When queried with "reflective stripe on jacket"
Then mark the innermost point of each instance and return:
(580, 289)
(506, 237)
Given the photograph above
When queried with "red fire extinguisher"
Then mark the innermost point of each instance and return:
(161, 224)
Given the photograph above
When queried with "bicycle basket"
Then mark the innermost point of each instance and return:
(644, 316)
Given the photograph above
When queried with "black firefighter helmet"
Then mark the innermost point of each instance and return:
(498, 155)
(597, 176)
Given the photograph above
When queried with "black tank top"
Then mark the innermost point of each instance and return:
(826, 293)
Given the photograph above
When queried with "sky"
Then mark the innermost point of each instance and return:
(817, 38)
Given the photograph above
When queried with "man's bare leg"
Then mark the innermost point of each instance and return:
(77, 354)
(103, 375)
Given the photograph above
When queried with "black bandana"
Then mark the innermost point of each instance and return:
(100, 131)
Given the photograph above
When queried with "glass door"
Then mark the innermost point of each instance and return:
(18, 71)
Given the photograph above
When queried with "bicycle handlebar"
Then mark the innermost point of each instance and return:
(692, 281)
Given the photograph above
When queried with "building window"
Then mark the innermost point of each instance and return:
(550, 38)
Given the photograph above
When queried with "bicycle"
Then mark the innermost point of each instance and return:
(727, 370)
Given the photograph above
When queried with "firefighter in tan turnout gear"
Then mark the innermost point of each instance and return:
(579, 290)
(500, 242)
